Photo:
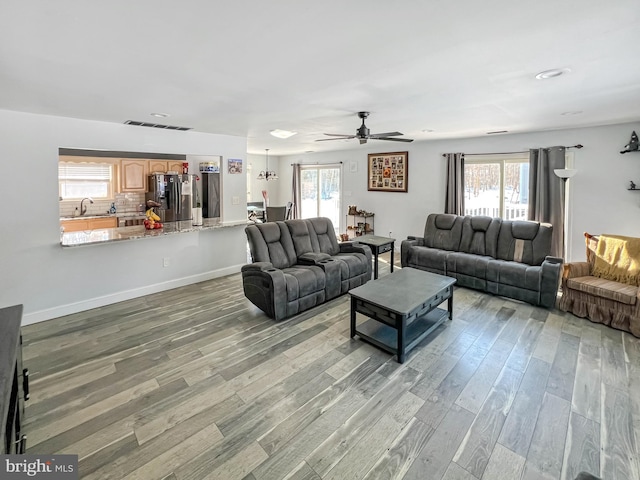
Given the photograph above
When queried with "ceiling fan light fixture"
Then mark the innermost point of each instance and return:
(282, 133)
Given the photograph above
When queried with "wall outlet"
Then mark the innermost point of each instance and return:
(235, 200)
(166, 261)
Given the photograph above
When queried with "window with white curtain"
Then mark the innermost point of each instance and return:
(77, 180)
(497, 185)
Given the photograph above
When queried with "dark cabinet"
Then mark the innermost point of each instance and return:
(14, 382)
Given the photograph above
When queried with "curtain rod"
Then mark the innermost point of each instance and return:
(578, 146)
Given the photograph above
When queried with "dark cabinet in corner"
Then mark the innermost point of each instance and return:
(14, 381)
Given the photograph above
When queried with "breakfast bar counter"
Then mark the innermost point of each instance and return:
(110, 235)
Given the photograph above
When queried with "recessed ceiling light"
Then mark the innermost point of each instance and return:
(160, 115)
(497, 131)
(282, 133)
(554, 72)
(427, 130)
(309, 151)
(576, 112)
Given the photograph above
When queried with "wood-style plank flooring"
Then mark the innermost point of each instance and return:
(197, 383)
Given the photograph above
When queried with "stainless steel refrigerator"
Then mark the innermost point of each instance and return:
(174, 193)
(210, 195)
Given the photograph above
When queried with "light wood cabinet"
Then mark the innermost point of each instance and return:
(157, 166)
(174, 166)
(80, 224)
(107, 222)
(164, 166)
(133, 175)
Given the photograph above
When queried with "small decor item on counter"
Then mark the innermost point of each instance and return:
(113, 208)
(152, 222)
(197, 215)
(344, 237)
(76, 212)
(633, 144)
(210, 167)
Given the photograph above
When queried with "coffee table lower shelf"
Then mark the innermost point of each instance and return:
(385, 336)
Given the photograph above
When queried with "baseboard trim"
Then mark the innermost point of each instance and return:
(68, 309)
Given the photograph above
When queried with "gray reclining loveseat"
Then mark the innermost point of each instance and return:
(298, 264)
(503, 257)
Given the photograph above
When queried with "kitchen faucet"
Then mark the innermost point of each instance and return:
(83, 209)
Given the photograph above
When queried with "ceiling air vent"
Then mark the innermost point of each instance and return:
(156, 125)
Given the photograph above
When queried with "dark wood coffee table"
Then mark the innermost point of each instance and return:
(402, 308)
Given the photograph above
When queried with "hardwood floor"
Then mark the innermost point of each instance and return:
(197, 383)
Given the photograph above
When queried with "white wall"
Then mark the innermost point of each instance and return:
(51, 281)
(273, 187)
(598, 198)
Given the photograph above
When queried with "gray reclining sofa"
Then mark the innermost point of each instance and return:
(298, 264)
(503, 257)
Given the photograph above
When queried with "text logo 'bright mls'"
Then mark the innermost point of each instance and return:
(51, 467)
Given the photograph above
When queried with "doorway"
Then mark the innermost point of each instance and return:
(320, 192)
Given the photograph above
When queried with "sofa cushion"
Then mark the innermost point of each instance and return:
(600, 287)
(300, 235)
(480, 235)
(524, 241)
(468, 264)
(354, 264)
(323, 236)
(514, 274)
(271, 242)
(443, 231)
(425, 258)
(303, 281)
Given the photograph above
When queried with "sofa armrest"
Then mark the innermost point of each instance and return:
(575, 269)
(406, 245)
(257, 267)
(419, 240)
(550, 281)
(312, 258)
(355, 247)
(266, 287)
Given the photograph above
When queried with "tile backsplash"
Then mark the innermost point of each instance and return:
(125, 203)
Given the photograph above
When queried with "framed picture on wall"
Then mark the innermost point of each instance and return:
(388, 172)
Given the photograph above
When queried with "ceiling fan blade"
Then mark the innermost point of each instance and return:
(337, 138)
(388, 134)
(395, 139)
(339, 135)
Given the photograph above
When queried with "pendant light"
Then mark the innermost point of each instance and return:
(267, 174)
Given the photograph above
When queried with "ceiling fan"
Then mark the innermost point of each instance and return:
(363, 134)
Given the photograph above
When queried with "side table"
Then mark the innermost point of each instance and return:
(378, 245)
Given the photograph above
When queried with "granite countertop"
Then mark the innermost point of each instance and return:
(109, 235)
(107, 215)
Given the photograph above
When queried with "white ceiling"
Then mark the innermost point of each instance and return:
(460, 68)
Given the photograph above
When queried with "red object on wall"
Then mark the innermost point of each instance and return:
(185, 168)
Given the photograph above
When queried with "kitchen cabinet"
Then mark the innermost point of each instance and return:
(76, 225)
(161, 166)
(133, 175)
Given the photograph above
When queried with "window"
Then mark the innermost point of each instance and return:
(320, 193)
(497, 186)
(79, 180)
